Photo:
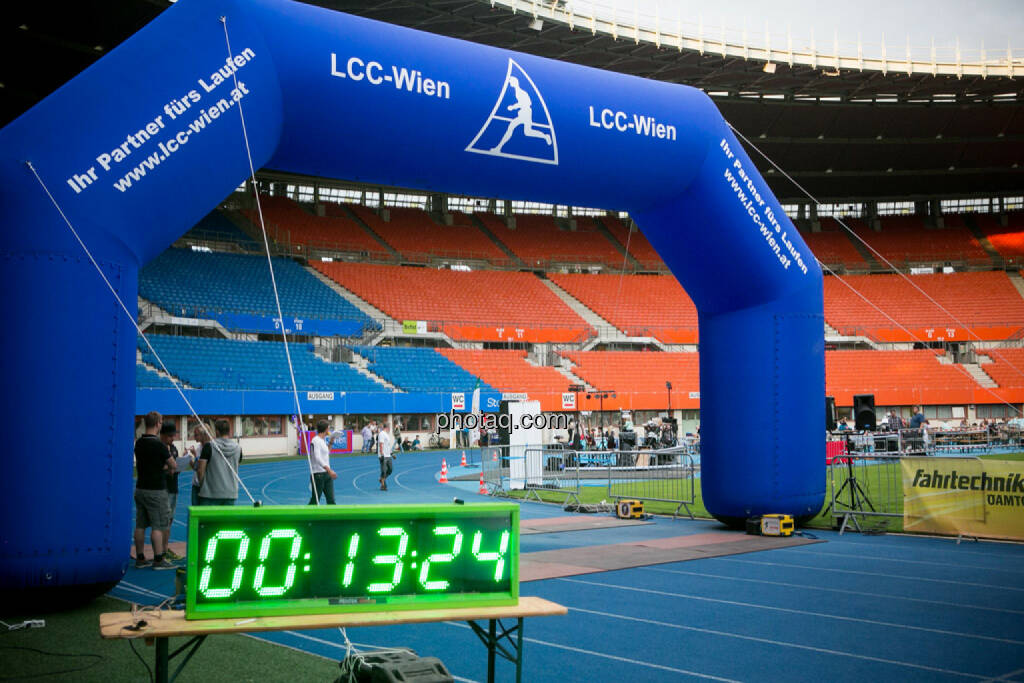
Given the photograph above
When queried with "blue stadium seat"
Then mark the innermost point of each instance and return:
(419, 369)
(206, 363)
(200, 284)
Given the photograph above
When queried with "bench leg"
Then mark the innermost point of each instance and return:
(492, 642)
(162, 661)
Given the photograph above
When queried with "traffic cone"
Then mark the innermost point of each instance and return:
(444, 472)
(483, 487)
(463, 463)
(494, 456)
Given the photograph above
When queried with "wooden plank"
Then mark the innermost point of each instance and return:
(551, 525)
(172, 623)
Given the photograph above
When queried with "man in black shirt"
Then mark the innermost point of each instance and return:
(152, 460)
(167, 433)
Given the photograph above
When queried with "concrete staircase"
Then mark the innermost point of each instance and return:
(361, 366)
(494, 238)
(866, 253)
(979, 374)
(158, 371)
(367, 308)
(373, 233)
(605, 330)
(629, 260)
(566, 368)
(972, 225)
(247, 226)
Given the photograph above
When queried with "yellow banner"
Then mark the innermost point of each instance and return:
(964, 496)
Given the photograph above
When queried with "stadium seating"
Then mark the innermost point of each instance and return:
(216, 227)
(147, 379)
(539, 242)
(1008, 240)
(639, 305)
(906, 239)
(832, 246)
(509, 370)
(639, 247)
(289, 223)
(897, 378)
(638, 378)
(418, 369)
(480, 305)
(208, 363)
(198, 284)
(985, 301)
(418, 238)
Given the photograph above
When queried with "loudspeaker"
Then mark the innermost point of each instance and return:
(830, 413)
(864, 412)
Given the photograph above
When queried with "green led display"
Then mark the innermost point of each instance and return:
(309, 560)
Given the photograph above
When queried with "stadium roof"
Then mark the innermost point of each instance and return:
(843, 133)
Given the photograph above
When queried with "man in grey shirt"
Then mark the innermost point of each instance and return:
(218, 468)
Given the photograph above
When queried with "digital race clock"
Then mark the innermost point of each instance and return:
(312, 560)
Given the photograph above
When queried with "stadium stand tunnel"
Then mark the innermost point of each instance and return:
(143, 143)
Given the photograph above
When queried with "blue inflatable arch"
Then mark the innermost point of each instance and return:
(143, 143)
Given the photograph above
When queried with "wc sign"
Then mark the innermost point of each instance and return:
(458, 401)
(569, 401)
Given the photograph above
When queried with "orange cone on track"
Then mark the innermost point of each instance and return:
(444, 472)
(483, 487)
(494, 457)
(463, 463)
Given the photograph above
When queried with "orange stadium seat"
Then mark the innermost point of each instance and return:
(638, 378)
(906, 239)
(1008, 240)
(482, 305)
(418, 238)
(639, 305)
(639, 247)
(832, 246)
(539, 242)
(289, 223)
(509, 370)
(897, 378)
(987, 302)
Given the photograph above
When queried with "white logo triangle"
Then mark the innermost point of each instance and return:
(517, 128)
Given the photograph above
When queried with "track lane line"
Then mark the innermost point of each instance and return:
(790, 610)
(804, 586)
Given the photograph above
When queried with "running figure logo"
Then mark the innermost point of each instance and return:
(519, 126)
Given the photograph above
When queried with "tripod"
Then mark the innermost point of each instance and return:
(858, 496)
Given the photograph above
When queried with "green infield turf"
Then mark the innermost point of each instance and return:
(69, 648)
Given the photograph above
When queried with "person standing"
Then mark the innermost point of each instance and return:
(367, 437)
(152, 460)
(202, 436)
(918, 420)
(320, 466)
(218, 468)
(384, 445)
(167, 433)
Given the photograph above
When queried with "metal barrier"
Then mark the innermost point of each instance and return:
(560, 472)
(866, 478)
(666, 475)
(864, 485)
(936, 442)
